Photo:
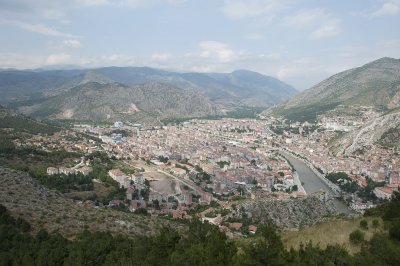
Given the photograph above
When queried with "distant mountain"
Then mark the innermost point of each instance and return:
(376, 84)
(15, 84)
(239, 88)
(254, 89)
(148, 103)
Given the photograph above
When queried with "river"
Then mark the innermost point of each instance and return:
(312, 183)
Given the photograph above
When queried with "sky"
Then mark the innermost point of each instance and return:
(300, 42)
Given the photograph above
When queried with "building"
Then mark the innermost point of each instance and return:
(383, 192)
(118, 124)
(235, 226)
(86, 170)
(52, 171)
(122, 179)
(252, 229)
(66, 170)
(117, 138)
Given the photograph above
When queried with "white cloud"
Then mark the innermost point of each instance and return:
(21, 61)
(388, 8)
(329, 29)
(325, 25)
(161, 57)
(271, 56)
(58, 59)
(305, 18)
(36, 28)
(239, 9)
(218, 50)
(72, 43)
(66, 44)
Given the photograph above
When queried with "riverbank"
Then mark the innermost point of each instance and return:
(312, 182)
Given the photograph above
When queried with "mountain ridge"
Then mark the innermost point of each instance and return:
(224, 88)
(375, 84)
(96, 101)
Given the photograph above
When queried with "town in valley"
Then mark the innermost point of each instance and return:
(204, 168)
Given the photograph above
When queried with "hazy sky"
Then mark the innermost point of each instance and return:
(298, 41)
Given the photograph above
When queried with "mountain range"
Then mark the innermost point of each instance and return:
(148, 102)
(138, 93)
(148, 94)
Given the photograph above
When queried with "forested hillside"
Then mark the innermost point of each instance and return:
(201, 244)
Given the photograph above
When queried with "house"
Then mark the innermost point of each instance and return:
(360, 206)
(86, 170)
(138, 179)
(252, 229)
(120, 177)
(66, 171)
(299, 194)
(118, 124)
(178, 214)
(235, 226)
(383, 192)
(187, 197)
(205, 197)
(129, 192)
(114, 203)
(153, 195)
(178, 171)
(134, 205)
(52, 171)
(203, 213)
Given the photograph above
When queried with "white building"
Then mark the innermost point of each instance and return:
(118, 124)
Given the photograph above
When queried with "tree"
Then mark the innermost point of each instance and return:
(266, 250)
(204, 244)
(141, 211)
(392, 211)
(394, 230)
(364, 224)
(356, 237)
(375, 223)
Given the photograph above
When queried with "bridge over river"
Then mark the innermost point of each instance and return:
(313, 183)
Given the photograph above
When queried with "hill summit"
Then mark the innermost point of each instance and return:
(376, 85)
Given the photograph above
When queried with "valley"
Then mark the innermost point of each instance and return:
(199, 133)
(134, 159)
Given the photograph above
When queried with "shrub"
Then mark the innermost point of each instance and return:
(375, 223)
(364, 224)
(394, 230)
(356, 237)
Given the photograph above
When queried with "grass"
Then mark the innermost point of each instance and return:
(333, 232)
(100, 190)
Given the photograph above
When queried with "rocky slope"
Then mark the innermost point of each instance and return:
(384, 130)
(44, 208)
(376, 84)
(290, 214)
(95, 101)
